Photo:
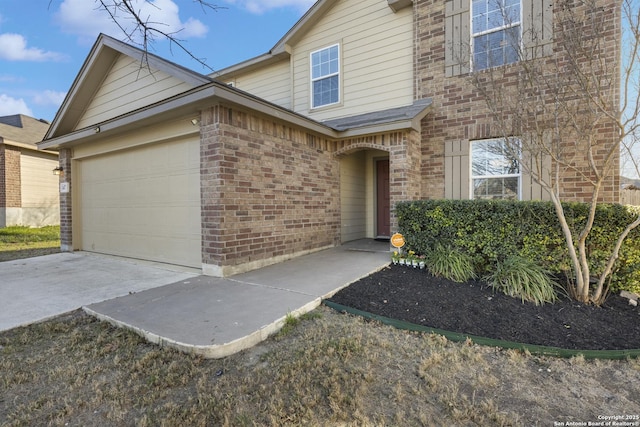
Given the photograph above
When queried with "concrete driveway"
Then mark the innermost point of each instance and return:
(36, 289)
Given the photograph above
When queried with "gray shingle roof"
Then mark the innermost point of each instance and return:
(23, 129)
(380, 117)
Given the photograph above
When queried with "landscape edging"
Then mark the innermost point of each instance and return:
(460, 337)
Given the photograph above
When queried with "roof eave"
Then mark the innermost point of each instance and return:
(191, 101)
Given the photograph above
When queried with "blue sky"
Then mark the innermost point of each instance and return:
(43, 43)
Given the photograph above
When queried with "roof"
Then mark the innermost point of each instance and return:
(384, 117)
(22, 129)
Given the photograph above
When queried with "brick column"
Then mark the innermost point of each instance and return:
(404, 172)
(66, 219)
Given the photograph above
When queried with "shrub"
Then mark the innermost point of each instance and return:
(521, 278)
(493, 230)
(450, 264)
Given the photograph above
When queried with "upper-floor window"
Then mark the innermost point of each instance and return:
(325, 76)
(495, 32)
(495, 169)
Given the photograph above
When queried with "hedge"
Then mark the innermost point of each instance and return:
(491, 230)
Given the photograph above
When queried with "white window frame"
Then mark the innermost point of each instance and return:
(504, 27)
(473, 178)
(326, 76)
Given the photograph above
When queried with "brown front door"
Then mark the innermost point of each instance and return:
(383, 227)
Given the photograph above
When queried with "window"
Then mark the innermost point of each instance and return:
(496, 32)
(325, 76)
(495, 169)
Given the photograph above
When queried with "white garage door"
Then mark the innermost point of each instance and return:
(143, 203)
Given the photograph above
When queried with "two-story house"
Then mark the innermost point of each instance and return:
(363, 103)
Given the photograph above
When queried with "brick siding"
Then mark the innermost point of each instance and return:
(269, 191)
(10, 182)
(460, 113)
(66, 223)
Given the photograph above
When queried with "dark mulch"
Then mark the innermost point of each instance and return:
(473, 308)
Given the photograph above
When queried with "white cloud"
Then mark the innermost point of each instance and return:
(261, 6)
(13, 47)
(10, 106)
(49, 97)
(86, 19)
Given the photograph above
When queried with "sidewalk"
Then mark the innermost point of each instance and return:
(216, 317)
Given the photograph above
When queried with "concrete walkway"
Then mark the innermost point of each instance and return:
(216, 317)
(36, 289)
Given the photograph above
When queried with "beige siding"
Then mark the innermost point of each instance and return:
(353, 196)
(128, 86)
(272, 83)
(373, 40)
(162, 132)
(39, 188)
(141, 203)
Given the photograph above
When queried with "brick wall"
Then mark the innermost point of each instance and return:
(10, 190)
(460, 113)
(269, 191)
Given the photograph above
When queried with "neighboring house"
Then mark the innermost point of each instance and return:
(362, 104)
(28, 188)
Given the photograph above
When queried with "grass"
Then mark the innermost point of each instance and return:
(328, 369)
(451, 264)
(18, 242)
(521, 278)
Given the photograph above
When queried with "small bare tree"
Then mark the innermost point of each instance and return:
(566, 116)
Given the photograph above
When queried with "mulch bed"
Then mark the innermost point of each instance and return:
(473, 308)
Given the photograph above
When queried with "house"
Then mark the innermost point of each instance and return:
(28, 188)
(363, 103)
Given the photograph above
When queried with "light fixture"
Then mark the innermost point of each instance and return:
(195, 121)
(58, 171)
(97, 129)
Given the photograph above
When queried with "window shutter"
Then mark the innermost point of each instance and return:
(539, 163)
(537, 28)
(456, 169)
(457, 37)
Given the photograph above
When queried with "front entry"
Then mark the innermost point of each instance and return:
(383, 201)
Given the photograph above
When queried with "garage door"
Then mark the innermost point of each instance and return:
(143, 203)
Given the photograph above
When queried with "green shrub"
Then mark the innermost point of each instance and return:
(450, 264)
(493, 230)
(521, 278)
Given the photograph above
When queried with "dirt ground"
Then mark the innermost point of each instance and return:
(413, 295)
(326, 369)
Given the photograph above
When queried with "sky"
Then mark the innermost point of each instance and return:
(43, 43)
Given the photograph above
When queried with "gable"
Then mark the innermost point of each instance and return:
(115, 79)
(376, 53)
(129, 85)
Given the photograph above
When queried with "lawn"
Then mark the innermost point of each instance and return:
(324, 369)
(18, 242)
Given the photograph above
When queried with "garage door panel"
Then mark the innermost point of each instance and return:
(143, 203)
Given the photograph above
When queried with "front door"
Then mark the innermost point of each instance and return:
(383, 201)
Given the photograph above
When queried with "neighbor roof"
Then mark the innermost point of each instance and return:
(22, 129)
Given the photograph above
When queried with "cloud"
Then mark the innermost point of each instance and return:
(13, 47)
(49, 97)
(85, 19)
(261, 6)
(10, 106)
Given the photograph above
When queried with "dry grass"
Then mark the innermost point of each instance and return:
(328, 369)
